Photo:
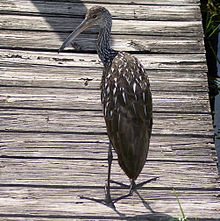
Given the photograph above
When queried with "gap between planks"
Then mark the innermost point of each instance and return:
(91, 173)
(73, 9)
(135, 27)
(50, 41)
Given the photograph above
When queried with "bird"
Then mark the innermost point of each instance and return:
(126, 100)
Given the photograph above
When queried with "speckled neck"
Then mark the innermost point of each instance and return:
(105, 52)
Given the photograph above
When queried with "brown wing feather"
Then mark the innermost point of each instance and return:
(127, 106)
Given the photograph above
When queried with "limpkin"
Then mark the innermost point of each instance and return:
(126, 99)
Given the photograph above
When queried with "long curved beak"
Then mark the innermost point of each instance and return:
(84, 25)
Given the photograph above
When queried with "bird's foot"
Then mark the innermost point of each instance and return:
(133, 186)
(108, 200)
(139, 185)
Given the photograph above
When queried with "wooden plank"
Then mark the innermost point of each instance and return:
(153, 61)
(64, 204)
(71, 99)
(53, 145)
(87, 42)
(65, 24)
(137, 12)
(44, 76)
(90, 83)
(75, 146)
(139, 2)
(16, 71)
(36, 58)
(93, 122)
(151, 2)
(84, 172)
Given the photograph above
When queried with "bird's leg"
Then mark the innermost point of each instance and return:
(109, 201)
(108, 198)
(132, 186)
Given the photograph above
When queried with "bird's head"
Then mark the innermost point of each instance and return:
(96, 15)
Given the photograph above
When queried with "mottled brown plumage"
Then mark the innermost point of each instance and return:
(127, 107)
(126, 99)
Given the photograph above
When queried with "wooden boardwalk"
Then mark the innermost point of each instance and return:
(53, 143)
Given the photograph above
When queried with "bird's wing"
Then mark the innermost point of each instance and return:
(127, 109)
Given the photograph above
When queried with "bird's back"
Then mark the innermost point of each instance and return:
(127, 107)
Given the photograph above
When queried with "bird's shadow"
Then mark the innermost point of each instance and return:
(147, 206)
(154, 215)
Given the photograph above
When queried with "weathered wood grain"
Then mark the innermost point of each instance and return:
(93, 122)
(65, 24)
(73, 9)
(73, 99)
(87, 42)
(93, 146)
(16, 71)
(65, 204)
(53, 144)
(151, 61)
(78, 77)
(84, 172)
(151, 2)
(15, 96)
(139, 2)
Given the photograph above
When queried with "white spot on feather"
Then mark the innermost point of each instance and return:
(134, 87)
(114, 90)
(105, 110)
(145, 111)
(108, 90)
(115, 79)
(119, 118)
(107, 103)
(143, 94)
(115, 100)
(124, 97)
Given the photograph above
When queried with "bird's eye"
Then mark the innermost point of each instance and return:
(94, 16)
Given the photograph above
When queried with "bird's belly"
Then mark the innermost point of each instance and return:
(130, 139)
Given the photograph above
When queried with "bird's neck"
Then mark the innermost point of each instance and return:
(105, 52)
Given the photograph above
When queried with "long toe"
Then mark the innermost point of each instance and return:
(139, 185)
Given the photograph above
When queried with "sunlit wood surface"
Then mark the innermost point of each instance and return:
(53, 142)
